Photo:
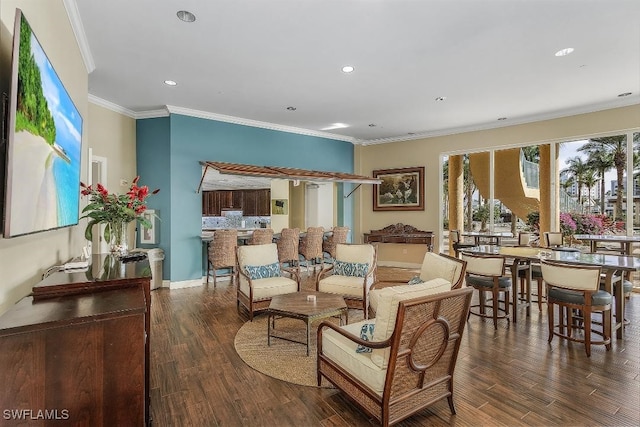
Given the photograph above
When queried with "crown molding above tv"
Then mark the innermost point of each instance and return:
(78, 29)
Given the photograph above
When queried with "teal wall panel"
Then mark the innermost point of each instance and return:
(192, 140)
(153, 160)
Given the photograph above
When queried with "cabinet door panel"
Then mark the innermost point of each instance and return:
(250, 198)
(263, 203)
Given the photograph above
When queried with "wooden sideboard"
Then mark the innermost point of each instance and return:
(77, 349)
(400, 233)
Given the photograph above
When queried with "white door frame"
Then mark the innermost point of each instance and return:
(98, 241)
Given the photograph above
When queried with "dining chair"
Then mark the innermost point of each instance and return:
(524, 238)
(311, 246)
(485, 273)
(576, 291)
(261, 236)
(338, 235)
(554, 240)
(458, 243)
(221, 254)
(287, 246)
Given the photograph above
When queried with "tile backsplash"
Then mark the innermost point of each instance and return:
(234, 221)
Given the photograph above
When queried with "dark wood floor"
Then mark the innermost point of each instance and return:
(508, 377)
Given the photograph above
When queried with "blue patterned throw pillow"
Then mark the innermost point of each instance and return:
(354, 269)
(262, 271)
(366, 333)
(415, 280)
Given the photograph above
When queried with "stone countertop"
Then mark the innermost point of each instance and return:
(239, 229)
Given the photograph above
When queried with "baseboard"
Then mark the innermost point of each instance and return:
(166, 284)
(185, 284)
(398, 264)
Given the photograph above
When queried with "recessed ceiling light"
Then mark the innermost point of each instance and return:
(372, 125)
(441, 98)
(624, 94)
(347, 69)
(186, 16)
(291, 108)
(502, 118)
(170, 83)
(564, 52)
(336, 126)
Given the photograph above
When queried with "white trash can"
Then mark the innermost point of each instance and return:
(156, 256)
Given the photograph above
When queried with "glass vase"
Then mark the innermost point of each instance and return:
(118, 238)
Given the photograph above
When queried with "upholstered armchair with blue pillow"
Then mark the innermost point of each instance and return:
(261, 276)
(351, 275)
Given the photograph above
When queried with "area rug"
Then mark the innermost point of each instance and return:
(283, 360)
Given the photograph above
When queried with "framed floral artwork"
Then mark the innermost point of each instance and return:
(149, 235)
(400, 189)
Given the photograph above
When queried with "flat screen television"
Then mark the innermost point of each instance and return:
(44, 142)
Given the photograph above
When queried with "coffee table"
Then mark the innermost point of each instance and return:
(297, 306)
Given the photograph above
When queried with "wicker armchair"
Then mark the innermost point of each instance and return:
(410, 366)
(311, 245)
(288, 243)
(222, 253)
(261, 236)
(338, 235)
(261, 277)
(351, 275)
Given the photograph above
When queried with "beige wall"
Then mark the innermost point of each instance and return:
(23, 259)
(427, 152)
(279, 190)
(113, 136)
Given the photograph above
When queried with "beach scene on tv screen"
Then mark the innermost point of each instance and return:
(46, 147)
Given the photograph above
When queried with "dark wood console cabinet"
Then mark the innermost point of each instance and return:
(76, 351)
(400, 233)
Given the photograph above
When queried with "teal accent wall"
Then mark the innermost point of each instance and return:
(153, 158)
(185, 141)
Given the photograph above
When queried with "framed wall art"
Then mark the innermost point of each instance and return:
(400, 190)
(149, 235)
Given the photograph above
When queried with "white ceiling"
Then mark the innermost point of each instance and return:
(248, 60)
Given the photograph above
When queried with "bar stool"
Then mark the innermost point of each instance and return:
(311, 245)
(485, 273)
(576, 289)
(458, 244)
(287, 245)
(338, 235)
(261, 236)
(222, 253)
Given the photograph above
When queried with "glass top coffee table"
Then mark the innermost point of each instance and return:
(299, 305)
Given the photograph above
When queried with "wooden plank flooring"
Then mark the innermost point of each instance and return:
(508, 377)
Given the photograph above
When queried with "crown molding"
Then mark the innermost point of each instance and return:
(523, 120)
(81, 38)
(254, 123)
(111, 106)
(152, 114)
(171, 109)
